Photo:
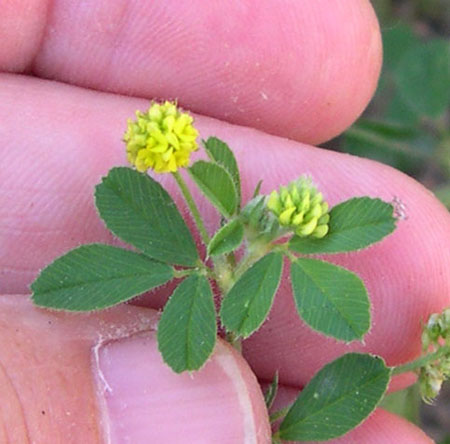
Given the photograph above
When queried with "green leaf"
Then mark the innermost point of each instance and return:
(248, 303)
(271, 392)
(227, 238)
(423, 77)
(330, 299)
(97, 276)
(354, 224)
(187, 328)
(220, 152)
(139, 210)
(338, 398)
(217, 185)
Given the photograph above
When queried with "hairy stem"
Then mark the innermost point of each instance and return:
(422, 361)
(276, 438)
(192, 207)
(256, 250)
(275, 416)
(234, 341)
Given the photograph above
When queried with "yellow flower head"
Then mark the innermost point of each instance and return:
(300, 206)
(161, 139)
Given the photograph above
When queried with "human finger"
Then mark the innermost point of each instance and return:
(72, 138)
(99, 378)
(304, 70)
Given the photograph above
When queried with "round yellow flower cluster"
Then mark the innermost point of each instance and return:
(301, 207)
(161, 139)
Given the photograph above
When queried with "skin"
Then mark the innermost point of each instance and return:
(72, 74)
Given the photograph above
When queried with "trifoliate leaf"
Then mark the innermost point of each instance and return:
(219, 152)
(248, 303)
(354, 224)
(338, 398)
(97, 276)
(187, 328)
(330, 299)
(139, 211)
(217, 185)
(227, 238)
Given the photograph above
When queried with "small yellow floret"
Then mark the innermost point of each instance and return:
(300, 206)
(161, 139)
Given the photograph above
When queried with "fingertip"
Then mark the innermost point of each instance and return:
(385, 427)
(22, 26)
(146, 401)
(48, 391)
(303, 70)
(99, 377)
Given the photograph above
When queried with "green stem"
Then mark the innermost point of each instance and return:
(231, 260)
(201, 269)
(422, 361)
(275, 416)
(223, 274)
(184, 272)
(192, 207)
(234, 341)
(244, 265)
(276, 438)
(256, 250)
(284, 248)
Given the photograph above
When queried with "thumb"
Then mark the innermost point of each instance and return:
(99, 378)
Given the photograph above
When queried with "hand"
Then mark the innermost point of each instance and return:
(302, 70)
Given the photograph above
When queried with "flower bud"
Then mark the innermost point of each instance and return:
(261, 224)
(161, 139)
(300, 207)
(445, 324)
(430, 382)
(435, 335)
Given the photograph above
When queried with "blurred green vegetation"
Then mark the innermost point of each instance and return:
(405, 403)
(407, 122)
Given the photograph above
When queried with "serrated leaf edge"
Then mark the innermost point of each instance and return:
(55, 309)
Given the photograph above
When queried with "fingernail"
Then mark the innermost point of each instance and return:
(143, 401)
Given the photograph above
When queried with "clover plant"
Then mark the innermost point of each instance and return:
(244, 260)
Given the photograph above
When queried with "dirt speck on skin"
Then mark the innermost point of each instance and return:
(400, 209)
